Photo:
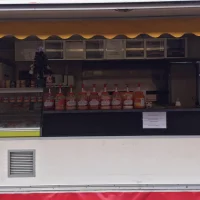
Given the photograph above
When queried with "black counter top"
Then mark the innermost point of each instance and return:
(125, 110)
(180, 121)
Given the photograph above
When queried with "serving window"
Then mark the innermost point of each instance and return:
(98, 86)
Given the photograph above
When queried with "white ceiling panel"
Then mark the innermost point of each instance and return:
(99, 11)
(97, 14)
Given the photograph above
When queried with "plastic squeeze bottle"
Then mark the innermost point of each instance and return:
(128, 99)
(49, 101)
(116, 99)
(94, 99)
(139, 98)
(71, 100)
(60, 101)
(105, 99)
(82, 100)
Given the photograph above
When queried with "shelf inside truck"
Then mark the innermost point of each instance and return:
(125, 111)
(21, 90)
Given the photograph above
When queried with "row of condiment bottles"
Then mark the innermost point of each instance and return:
(104, 101)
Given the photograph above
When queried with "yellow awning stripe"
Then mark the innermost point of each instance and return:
(107, 28)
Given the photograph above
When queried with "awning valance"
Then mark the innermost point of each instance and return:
(107, 28)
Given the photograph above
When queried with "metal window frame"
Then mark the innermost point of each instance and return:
(125, 41)
(122, 51)
(23, 175)
(66, 50)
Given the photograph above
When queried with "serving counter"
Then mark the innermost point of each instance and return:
(19, 120)
(179, 121)
(28, 119)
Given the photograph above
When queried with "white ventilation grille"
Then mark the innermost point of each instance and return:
(21, 163)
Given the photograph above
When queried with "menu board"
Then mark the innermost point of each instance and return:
(82, 1)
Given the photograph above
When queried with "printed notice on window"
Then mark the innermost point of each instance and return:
(154, 120)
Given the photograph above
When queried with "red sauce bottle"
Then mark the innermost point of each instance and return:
(139, 98)
(116, 99)
(48, 101)
(60, 101)
(82, 102)
(94, 99)
(70, 100)
(128, 99)
(105, 99)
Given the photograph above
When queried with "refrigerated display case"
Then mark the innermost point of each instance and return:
(20, 112)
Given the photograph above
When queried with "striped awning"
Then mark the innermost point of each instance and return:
(107, 28)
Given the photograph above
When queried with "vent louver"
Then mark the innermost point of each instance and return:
(21, 163)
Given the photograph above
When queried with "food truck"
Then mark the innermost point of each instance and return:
(100, 100)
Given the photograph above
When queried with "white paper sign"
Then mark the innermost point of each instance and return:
(154, 120)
